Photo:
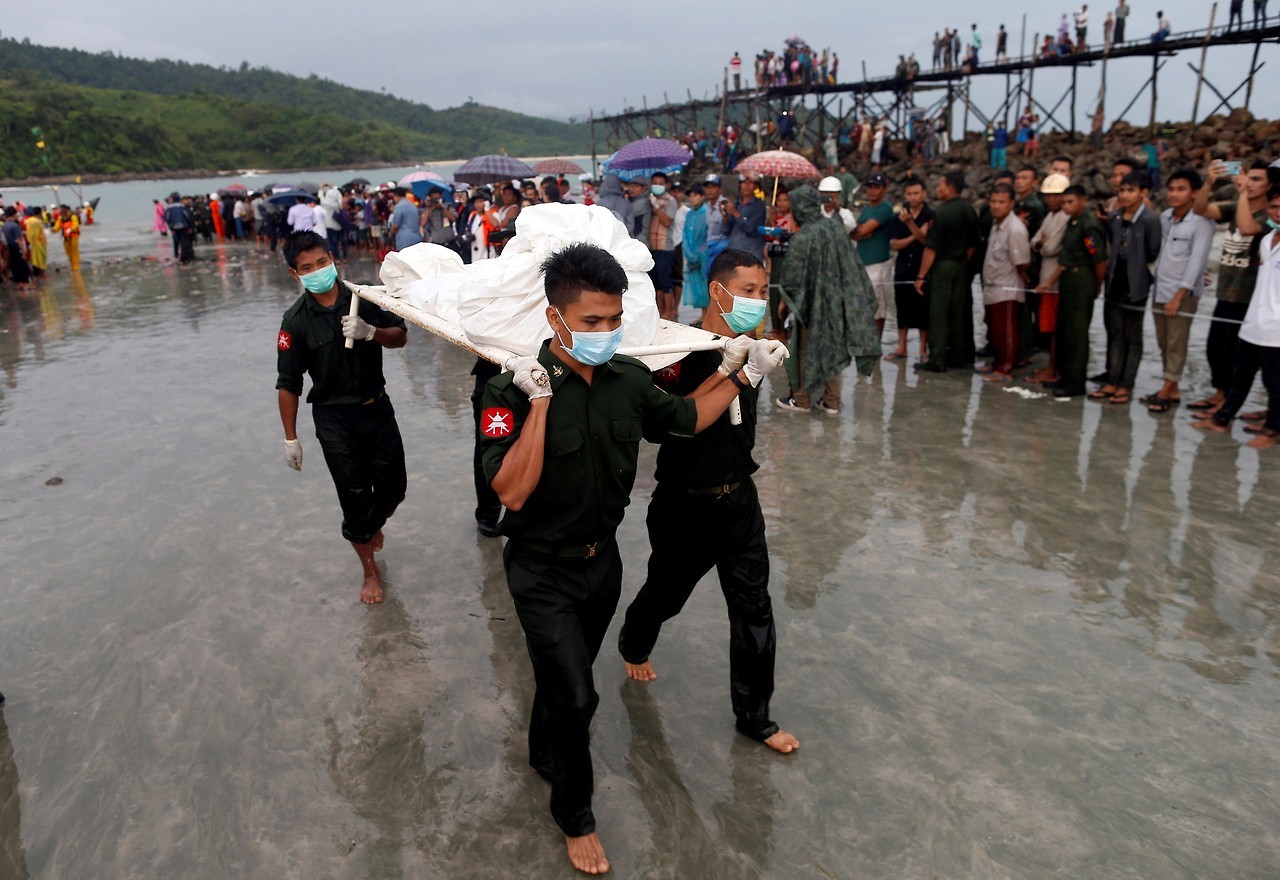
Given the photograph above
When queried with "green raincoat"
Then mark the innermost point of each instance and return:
(828, 291)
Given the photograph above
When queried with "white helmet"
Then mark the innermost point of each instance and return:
(830, 185)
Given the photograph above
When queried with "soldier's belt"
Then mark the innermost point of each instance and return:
(718, 491)
(564, 551)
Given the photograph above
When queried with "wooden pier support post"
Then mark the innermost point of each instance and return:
(1072, 135)
(1253, 69)
(1155, 74)
(1204, 56)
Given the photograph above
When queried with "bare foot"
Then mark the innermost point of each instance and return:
(1210, 425)
(376, 542)
(371, 590)
(782, 742)
(587, 853)
(1262, 441)
(640, 671)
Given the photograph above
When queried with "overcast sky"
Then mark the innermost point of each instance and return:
(560, 57)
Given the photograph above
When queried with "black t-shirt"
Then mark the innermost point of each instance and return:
(907, 266)
(310, 341)
(720, 454)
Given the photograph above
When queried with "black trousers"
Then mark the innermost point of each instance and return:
(564, 606)
(1124, 342)
(689, 535)
(1249, 359)
(362, 447)
(488, 507)
(183, 246)
(1221, 345)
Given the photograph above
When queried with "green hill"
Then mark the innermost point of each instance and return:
(102, 113)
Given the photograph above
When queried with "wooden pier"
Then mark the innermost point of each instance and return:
(820, 109)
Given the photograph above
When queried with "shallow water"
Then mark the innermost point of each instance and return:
(1018, 638)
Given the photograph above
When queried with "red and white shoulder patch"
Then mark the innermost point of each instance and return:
(667, 376)
(284, 341)
(497, 422)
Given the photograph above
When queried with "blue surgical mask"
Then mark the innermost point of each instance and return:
(746, 314)
(658, 189)
(321, 280)
(590, 348)
(1273, 224)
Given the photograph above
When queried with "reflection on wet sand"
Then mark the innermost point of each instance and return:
(13, 859)
(1019, 638)
(383, 770)
(741, 845)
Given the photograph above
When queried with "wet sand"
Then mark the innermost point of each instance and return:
(1017, 638)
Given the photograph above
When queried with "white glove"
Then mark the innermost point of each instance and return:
(531, 377)
(766, 356)
(735, 355)
(355, 327)
(293, 454)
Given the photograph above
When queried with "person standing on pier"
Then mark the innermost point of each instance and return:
(355, 423)
(1082, 28)
(1236, 15)
(1002, 45)
(736, 64)
(1122, 13)
(1259, 13)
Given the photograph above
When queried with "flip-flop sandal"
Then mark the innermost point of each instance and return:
(895, 356)
(1121, 397)
(996, 377)
(1158, 405)
(1101, 395)
(1202, 404)
(1255, 416)
(985, 371)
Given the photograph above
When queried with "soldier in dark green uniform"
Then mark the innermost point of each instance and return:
(705, 514)
(561, 434)
(950, 245)
(1082, 266)
(355, 423)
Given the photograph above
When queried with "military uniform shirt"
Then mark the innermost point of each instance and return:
(311, 341)
(592, 441)
(1083, 243)
(954, 230)
(722, 453)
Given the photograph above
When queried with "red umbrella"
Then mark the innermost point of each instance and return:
(557, 166)
(778, 163)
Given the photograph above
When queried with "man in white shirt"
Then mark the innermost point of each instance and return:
(829, 190)
(300, 216)
(1259, 346)
(1048, 243)
(1004, 280)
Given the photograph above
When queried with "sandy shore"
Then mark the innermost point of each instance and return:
(1017, 638)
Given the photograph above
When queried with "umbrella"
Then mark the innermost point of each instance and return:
(312, 188)
(648, 156)
(422, 187)
(492, 169)
(288, 197)
(413, 176)
(354, 182)
(793, 40)
(778, 163)
(234, 189)
(557, 166)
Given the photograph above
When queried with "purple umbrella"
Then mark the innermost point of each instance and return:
(648, 156)
(492, 169)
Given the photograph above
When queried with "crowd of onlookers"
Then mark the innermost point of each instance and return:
(24, 238)
(360, 216)
(796, 65)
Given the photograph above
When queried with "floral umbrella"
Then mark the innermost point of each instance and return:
(778, 163)
(557, 166)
